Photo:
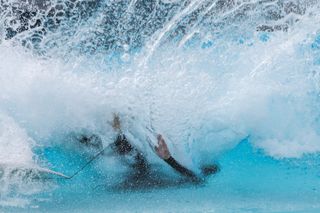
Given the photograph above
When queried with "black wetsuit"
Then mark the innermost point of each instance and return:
(181, 169)
(122, 147)
(139, 164)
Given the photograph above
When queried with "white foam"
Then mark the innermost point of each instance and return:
(204, 101)
(14, 142)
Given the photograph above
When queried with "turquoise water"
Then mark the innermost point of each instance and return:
(283, 186)
(233, 82)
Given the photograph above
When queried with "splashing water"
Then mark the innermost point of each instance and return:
(210, 75)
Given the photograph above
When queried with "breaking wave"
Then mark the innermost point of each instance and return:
(206, 74)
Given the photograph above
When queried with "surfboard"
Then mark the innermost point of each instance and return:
(151, 138)
(29, 170)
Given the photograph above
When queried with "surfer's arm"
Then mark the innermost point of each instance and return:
(164, 153)
(179, 168)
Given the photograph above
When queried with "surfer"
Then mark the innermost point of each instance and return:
(123, 147)
(138, 163)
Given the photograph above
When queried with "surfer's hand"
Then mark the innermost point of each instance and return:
(162, 149)
(116, 122)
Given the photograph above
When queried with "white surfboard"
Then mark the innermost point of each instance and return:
(151, 137)
(30, 170)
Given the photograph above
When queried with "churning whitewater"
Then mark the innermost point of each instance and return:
(212, 76)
